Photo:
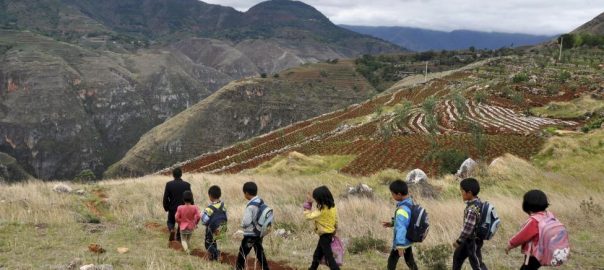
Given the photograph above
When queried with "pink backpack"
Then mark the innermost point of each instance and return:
(337, 248)
(553, 247)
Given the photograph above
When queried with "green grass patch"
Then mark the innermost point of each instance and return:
(573, 109)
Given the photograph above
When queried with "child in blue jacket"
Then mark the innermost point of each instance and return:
(401, 246)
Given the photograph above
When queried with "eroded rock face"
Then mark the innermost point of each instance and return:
(64, 108)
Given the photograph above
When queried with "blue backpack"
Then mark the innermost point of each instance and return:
(419, 224)
(263, 220)
(488, 222)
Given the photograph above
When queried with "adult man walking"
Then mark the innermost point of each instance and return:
(173, 197)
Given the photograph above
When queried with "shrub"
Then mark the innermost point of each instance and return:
(450, 160)
(85, 176)
(520, 77)
(276, 75)
(366, 243)
(589, 208)
(263, 75)
(564, 76)
(480, 96)
(435, 257)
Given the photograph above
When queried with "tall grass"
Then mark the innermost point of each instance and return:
(39, 228)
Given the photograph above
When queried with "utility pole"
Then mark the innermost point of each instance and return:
(426, 73)
(560, 55)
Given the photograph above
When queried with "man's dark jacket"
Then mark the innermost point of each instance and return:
(173, 194)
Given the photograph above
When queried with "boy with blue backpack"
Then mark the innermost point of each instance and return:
(214, 218)
(257, 218)
(480, 223)
(401, 222)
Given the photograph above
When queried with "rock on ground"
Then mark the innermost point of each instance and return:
(416, 176)
(62, 188)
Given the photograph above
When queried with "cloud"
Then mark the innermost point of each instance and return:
(518, 16)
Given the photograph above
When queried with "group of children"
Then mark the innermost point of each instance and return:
(325, 218)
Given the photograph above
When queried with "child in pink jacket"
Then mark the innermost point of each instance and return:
(187, 216)
(534, 204)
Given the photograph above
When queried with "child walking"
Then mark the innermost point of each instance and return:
(326, 220)
(214, 218)
(401, 246)
(187, 217)
(251, 237)
(468, 246)
(535, 204)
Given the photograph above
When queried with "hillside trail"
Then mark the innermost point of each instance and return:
(230, 259)
(225, 257)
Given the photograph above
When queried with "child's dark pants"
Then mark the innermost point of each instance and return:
(407, 254)
(211, 245)
(324, 250)
(533, 264)
(470, 249)
(246, 246)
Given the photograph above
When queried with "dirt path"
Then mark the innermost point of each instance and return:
(230, 259)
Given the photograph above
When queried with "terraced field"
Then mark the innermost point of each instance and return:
(382, 136)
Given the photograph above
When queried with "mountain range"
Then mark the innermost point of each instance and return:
(81, 81)
(418, 39)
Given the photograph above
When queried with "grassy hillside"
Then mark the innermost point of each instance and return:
(51, 229)
(481, 111)
(245, 109)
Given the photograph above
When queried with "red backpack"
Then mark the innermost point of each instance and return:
(553, 248)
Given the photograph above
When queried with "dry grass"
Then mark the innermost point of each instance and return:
(40, 229)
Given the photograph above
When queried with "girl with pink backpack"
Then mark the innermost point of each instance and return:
(543, 238)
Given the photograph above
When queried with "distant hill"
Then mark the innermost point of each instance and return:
(594, 27)
(82, 80)
(245, 109)
(417, 39)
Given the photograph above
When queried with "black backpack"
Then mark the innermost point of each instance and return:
(218, 218)
(419, 224)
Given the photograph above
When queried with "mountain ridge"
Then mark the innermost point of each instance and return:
(418, 39)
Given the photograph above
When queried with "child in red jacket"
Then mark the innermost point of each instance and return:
(534, 204)
(187, 216)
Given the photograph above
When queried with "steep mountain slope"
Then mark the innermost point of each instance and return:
(81, 81)
(417, 39)
(244, 109)
(476, 112)
(64, 108)
(594, 27)
(10, 170)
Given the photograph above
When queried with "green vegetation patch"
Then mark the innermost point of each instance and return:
(572, 109)
(301, 164)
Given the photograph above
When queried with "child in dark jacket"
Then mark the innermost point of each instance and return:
(534, 204)
(326, 222)
(468, 246)
(401, 246)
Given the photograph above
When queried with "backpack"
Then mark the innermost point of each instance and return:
(337, 249)
(218, 219)
(263, 220)
(488, 222)
(419, 224)
(553, 248)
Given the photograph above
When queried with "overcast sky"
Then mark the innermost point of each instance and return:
(519, 16)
